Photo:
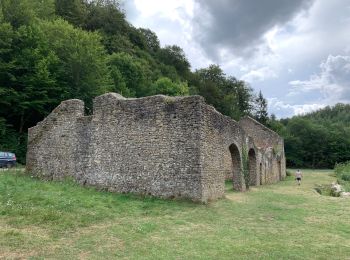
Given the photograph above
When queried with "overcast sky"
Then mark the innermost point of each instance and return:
(297, 52)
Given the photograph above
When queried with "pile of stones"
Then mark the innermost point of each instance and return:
(338, 191)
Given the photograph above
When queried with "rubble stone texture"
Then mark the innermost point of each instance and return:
(169, 147)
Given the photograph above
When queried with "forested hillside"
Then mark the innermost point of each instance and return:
(317, 140)
(53, 50)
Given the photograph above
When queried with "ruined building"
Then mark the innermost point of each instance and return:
(163, 146)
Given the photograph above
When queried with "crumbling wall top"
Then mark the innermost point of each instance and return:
(65, 111)
(110, 102)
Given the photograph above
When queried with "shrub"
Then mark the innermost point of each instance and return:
(342, 171)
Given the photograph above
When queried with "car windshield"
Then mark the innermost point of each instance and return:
(5, 154)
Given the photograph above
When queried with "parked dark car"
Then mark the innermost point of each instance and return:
(7, 159)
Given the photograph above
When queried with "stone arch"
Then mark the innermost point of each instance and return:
(252, 168)
(236, 167)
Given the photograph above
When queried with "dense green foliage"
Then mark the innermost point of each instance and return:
(52, 50)
(318, 139)
(61, 220)
(230, 96)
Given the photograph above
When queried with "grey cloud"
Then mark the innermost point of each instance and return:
(239, 25)
(333, 82)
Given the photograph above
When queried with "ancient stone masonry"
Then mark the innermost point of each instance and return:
(170, 147)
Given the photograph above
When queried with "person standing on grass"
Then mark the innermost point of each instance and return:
(298, 176)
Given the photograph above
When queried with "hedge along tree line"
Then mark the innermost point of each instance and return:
(53, 50)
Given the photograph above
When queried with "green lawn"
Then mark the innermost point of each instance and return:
(64, 221)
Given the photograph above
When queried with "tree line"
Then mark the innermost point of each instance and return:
(53, 50)
(316, 140)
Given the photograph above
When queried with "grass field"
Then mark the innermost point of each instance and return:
(40, 220)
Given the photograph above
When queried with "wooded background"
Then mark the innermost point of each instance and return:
(53, 50)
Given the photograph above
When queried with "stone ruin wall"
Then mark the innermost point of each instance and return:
(218, 133)
(148, 145)
(273, 162)
(223, 143)
(161, 146)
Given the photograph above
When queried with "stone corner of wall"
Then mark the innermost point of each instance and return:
(71, 108)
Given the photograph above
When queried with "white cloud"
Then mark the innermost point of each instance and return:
(170, 9)
(283, 109)
(172, 22)
(332, 84)
(306, 108)
(333, 81)
(260, 74)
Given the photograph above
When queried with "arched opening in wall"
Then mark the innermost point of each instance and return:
(252, 168)
(236, 167)
(279, 170)
(261, 173)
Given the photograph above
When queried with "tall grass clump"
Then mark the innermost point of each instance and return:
(342, 171)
